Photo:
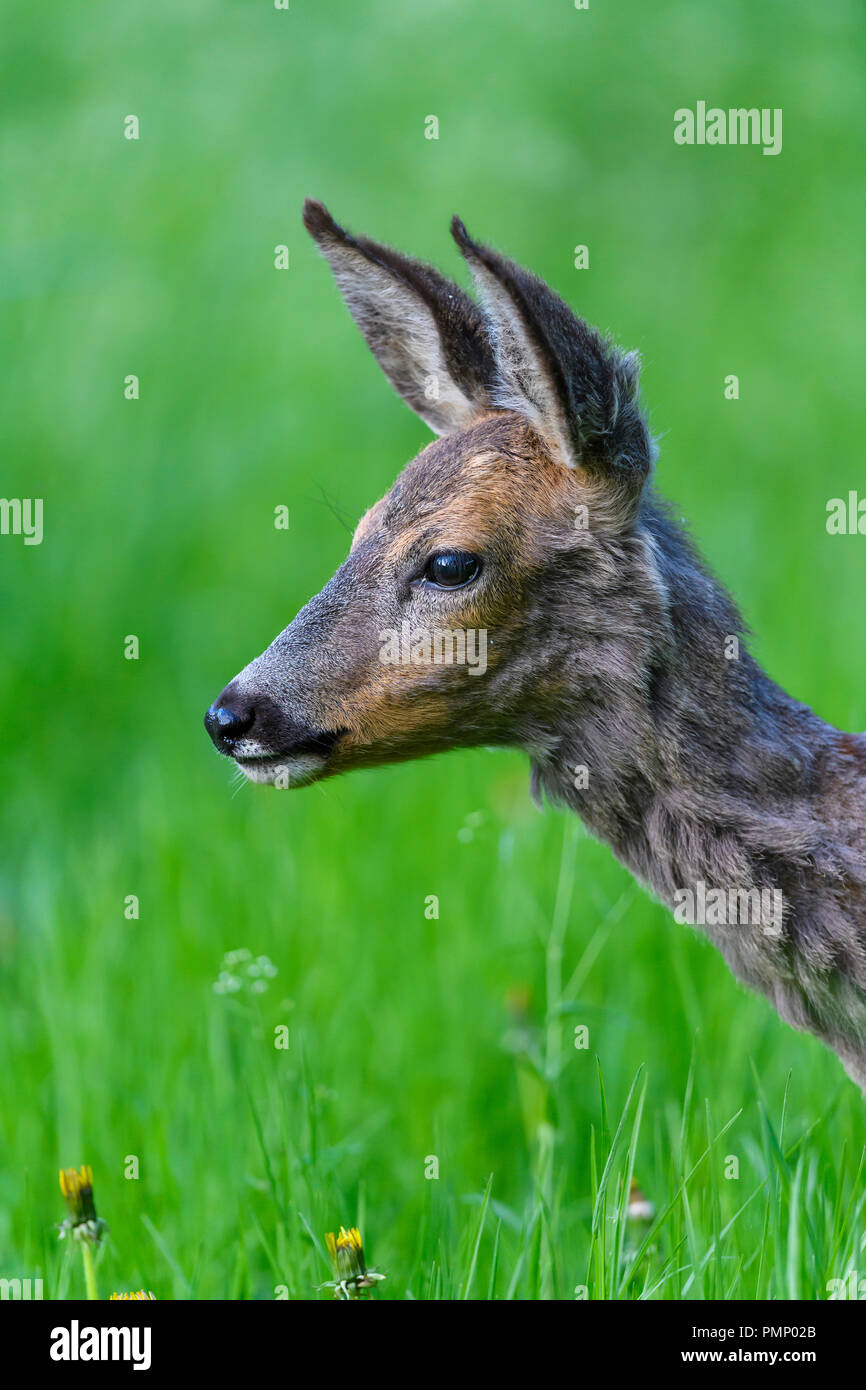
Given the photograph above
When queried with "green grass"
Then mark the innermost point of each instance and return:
(409, 1038)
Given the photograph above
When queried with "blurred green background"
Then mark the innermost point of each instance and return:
(409, 1037)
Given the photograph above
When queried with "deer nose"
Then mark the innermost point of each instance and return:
(227, 721)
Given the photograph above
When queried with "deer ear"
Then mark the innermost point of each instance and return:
(429, 338)
(579, 392)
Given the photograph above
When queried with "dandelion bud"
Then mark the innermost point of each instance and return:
(351, 1274)
(82, 1223)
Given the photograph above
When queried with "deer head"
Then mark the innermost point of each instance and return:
(484, 592)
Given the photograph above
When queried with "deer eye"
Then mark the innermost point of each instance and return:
(451, 569)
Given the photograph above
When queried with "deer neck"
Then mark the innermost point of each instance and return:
(693, 779)
(727, 797)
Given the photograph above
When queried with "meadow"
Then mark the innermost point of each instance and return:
(430, 1091)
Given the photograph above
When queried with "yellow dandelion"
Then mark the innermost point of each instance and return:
(351, 1274)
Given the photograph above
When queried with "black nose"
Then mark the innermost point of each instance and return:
(228, 720)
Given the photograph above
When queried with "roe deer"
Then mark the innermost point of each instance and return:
(608, 642)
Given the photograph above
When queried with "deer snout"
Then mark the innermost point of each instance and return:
(266, 738)
(229, 719)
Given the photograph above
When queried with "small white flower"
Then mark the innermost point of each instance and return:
(240, 970)
(226, 983)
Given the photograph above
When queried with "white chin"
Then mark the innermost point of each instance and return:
(284, 772)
